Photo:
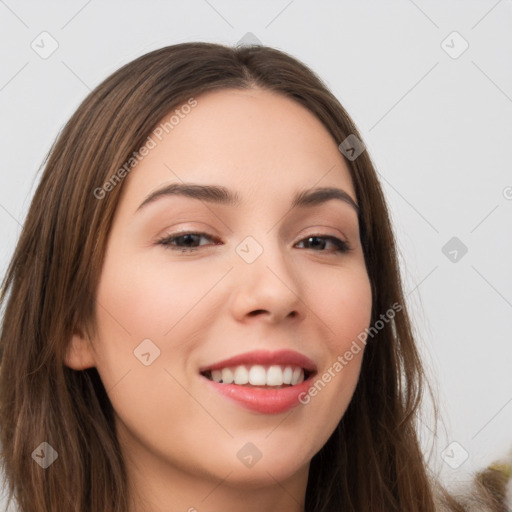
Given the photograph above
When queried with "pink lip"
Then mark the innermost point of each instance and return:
(265, 358)
(266, 401)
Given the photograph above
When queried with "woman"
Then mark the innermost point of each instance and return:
(204, 310)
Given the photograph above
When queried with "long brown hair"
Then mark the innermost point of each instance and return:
(371, 462)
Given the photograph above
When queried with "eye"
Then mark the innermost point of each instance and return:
(191, 241)
(319, 242)
(185, 242)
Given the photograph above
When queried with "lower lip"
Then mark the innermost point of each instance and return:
(265, 401)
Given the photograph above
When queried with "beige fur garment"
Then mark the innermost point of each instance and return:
(489, 491)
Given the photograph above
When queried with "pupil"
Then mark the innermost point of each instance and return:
(317, 239)
(188, 239)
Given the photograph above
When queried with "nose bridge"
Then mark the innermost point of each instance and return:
(266, 279)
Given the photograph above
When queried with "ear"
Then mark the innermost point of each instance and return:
(79, 353)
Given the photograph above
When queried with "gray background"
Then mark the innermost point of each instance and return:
(437, 124)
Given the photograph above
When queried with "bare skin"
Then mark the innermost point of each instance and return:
(179, 436)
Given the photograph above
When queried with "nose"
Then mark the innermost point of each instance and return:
(267, 289)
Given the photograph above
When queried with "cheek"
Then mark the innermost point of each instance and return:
(149, 299)
(149, 309)
(136, 304)
(344, 305)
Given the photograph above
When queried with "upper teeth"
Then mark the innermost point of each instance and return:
(258, 375)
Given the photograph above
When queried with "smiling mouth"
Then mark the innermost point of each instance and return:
(259, 376)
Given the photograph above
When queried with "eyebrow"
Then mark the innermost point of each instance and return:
(221, 195)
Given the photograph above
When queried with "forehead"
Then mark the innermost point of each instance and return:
(257, 142)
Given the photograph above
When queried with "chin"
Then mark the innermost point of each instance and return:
(266, 474)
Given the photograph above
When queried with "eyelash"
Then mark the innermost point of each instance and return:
(341, 245)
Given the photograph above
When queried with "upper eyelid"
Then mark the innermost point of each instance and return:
(177, 234)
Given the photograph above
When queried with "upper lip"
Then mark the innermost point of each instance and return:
(265, 358)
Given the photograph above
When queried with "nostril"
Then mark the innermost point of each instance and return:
(257, 312)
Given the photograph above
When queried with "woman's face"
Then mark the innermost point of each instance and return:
(189, 283)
